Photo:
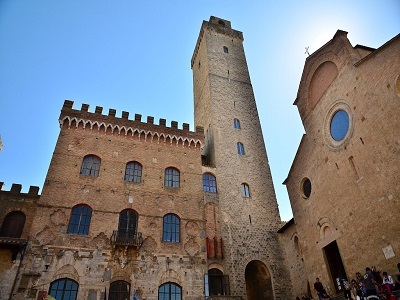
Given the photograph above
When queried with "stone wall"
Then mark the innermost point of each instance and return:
(12, 251)
(92, 260)
(354, 199)
(223, 92)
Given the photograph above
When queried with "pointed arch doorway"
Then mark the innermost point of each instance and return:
(258, 281)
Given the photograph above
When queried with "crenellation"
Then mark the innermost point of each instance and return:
(138, 117)
(125, 115)
(162, 122)
(98, 110)
(185, 126)
(16, 190)
(85, 107)
(150, 119)
(174, 124)
(112, 112)
(33, 190)
(68, 104)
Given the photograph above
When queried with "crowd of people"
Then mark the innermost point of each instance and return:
(374, 284)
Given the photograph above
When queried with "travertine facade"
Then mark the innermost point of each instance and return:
(346, 215)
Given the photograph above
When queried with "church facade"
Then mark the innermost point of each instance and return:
(134, 209)
(344, 181)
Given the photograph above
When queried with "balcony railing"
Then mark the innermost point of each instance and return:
(127, 238)
(12, 241)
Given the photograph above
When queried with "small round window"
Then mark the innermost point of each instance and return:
(306, 188)
(339, 125)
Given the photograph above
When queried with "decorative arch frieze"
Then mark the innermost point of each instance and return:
(135, 133)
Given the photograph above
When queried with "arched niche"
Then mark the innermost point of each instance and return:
(322, 78)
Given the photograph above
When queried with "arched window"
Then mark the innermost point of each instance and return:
(127, 225)
(171, 178)
(90, 165)
(119, 290)
(218, 284)
(64, 289)
(169, 291)
(245, 190)
(226, 49)
(80, 220)
(13, 224)
(240, 148)
(236, 123)
(209, 183)
(133, 172)
(171, 228)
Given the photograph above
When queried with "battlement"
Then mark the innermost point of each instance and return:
(16, 190)
(124, 127)
(219, 25)
(68, 106)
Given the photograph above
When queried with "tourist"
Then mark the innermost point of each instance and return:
(387, 284)
(346, 289)
(354, 288)
(369, 282)
(322, 294)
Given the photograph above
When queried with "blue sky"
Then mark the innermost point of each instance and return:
(135, 56)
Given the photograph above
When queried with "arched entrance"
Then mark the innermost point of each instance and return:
(258, 281)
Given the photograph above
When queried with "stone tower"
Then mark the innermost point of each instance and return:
(244, 211)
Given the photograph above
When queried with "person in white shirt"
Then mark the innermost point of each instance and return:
(388, 282)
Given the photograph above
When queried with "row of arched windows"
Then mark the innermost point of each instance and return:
(127, 226)
(67, 289)
(133, 173)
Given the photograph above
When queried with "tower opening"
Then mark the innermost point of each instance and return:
(258, 281)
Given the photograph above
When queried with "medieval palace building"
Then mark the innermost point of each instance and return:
(132, 208)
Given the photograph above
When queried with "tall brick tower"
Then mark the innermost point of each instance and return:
(243, 211)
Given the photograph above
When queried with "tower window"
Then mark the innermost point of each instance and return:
(80, 220)
(171, 178)
(245, 190)
(171, 228)
(209, 183)
(133, 172)
(90, 165)
(236, 123)
(226, 49)
(240, 148)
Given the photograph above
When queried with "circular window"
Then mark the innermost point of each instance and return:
(339, 125)
(306, 187)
